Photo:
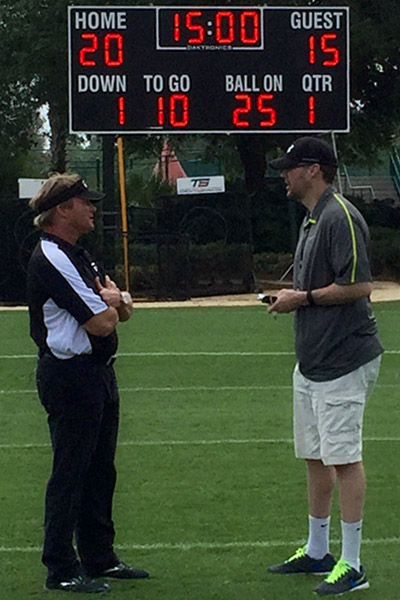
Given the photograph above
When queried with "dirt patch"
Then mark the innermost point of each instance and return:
(383, 291)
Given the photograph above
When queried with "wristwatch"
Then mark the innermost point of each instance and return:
(126, 298)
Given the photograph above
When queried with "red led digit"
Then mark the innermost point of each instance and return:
(194, 27)
(177, 27)
(330, 50)
(118, 44)
(88, 50)
(182, 101)
(121, 110)
(249, 19)
(224, 19)
(311, 49)
(311, 110)
(266, 110)
(242, 110)
(160, 111)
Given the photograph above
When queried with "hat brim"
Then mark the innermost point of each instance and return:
(91, 195)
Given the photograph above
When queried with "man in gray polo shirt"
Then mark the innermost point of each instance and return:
(338, 353)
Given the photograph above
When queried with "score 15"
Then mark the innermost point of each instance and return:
(325, 48)
(113, 49)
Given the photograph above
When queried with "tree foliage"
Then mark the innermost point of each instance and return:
(33, 72)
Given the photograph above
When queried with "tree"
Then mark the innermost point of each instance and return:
(17, 127)
(36, 31)
(375, 79)
(33, 34)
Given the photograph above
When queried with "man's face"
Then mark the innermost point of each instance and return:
(298, 181)
(81, 215)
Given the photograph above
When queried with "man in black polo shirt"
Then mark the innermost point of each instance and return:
(74, 310)
(338, 353)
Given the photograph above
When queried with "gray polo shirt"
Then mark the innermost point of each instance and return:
(333, 340)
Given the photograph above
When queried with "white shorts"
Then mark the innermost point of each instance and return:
(328, 415)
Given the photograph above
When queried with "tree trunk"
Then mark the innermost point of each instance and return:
(58, 139)
(252, 150)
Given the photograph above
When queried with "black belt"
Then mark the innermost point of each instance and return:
(102, 360)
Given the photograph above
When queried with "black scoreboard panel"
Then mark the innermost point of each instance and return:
(208, 69)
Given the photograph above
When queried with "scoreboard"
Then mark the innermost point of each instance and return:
(208, 69)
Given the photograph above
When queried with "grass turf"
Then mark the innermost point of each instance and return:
(208, 492)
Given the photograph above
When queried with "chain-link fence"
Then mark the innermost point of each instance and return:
(182, 246)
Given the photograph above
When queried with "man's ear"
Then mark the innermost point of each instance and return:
(60, 211)
(315, 169)
(64, 207)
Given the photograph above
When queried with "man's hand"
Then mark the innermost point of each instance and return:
(110, 292)
(288, 300)
(113, 296)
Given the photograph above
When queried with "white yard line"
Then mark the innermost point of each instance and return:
(222, 442)
(185, 546)
(166, 354)
(198, 388)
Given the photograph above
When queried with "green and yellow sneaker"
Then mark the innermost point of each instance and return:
(344, 578)
(300, 562)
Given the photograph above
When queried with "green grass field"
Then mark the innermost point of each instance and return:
(208, 491)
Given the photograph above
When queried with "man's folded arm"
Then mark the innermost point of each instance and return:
(103, 323)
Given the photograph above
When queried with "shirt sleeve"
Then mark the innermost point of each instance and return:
(66, 286)
(349, 250)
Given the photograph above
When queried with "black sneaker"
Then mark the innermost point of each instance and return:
(79, 584)
(123, 571)
(300, 562)
(344, 578)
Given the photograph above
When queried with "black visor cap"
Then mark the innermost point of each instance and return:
(79, 189)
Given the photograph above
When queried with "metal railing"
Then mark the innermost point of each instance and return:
(356, 188)
(395, 170)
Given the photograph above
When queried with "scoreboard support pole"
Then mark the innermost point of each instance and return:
(124, 216)
(339, 179)
(109, 208)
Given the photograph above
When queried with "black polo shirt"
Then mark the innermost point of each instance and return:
(62, 296)
(333, 340)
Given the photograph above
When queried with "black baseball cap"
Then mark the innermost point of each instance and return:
(77, 189)
(305, 150)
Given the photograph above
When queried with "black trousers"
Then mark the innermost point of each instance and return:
(81, 399)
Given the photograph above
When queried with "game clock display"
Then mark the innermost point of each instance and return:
(208, 69)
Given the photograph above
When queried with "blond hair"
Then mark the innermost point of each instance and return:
(54, 185)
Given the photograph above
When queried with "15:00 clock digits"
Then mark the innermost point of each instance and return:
(224, 27)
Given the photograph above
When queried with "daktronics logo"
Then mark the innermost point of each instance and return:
(215, 184)
(200, 182)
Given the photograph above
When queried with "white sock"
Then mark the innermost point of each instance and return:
(351, 543)
(318, 537)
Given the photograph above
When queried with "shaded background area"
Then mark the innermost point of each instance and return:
(196, 245)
